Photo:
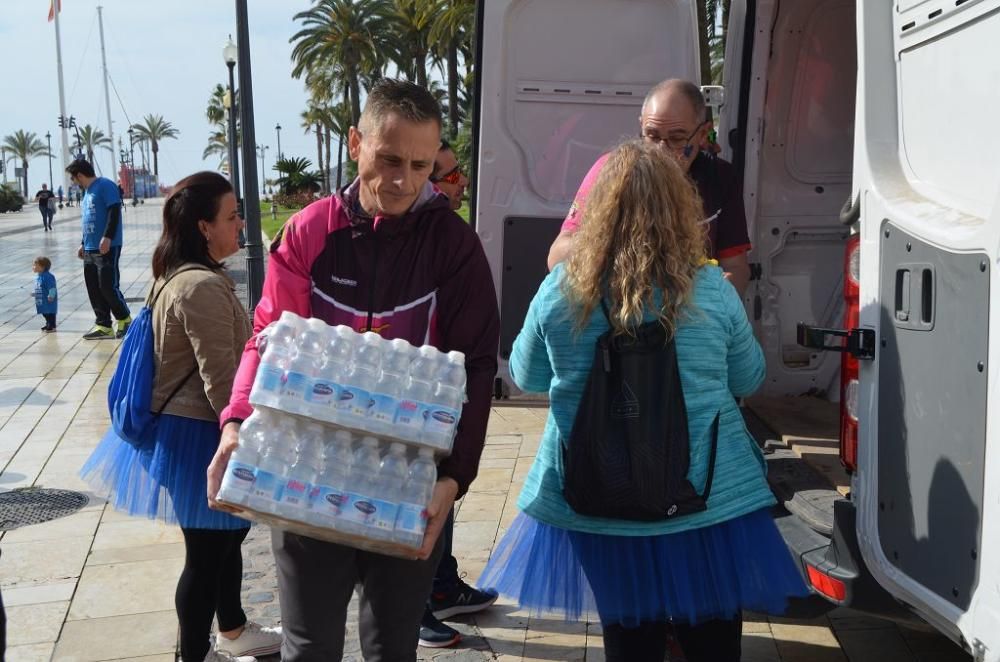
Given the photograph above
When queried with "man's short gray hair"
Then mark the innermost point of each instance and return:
(684, 87)
(399, 97)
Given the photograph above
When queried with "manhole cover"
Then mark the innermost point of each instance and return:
(35, 505)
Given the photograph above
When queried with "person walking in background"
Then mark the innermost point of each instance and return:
(46, 298)
(199, 330)
(60, 196)
(46, 206)
(641, 257)
(101, 249)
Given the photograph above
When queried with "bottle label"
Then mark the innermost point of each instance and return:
(359, 401)
(410, 416)
(384, 518)
(297, 385)
(330, 501)
(295, 493)
(384, 408)
(269, 377)
(264, 485)
(239, 477)
(323, 392)
(412, 518)
(360, 510)
(441, 421)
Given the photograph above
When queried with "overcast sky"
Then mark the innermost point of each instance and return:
(163, 58)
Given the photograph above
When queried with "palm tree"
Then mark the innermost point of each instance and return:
(216, 110)
(296, 176)
(25, 145)
(91, 138)
(410, 22)
(352, 34)
(154, 129)
(712, 14)
(452, 28)
(312, 121)
(218, 144)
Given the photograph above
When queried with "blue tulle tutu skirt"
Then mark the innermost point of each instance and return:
(166, 478)
(688, 577)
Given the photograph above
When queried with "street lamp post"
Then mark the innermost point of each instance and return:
(277, 129)
(131, 158)
(48, 138)
(263, 171)
(255, 254)
(230, 54)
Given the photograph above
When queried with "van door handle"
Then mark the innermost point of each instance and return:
(903, 295)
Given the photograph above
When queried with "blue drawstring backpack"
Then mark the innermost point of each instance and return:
(130, 394)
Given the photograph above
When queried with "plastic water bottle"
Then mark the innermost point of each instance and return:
(391, 476)
(242, 468)
(274, 361)
(361, 380)
(303, 366)
(338, 355)
(416, 394)
(330, 496)
(446, 403)
(276, 457)
(414, 498)
(359, 514)
(390, 386)
(301, 475)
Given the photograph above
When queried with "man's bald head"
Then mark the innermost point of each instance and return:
(672, 90)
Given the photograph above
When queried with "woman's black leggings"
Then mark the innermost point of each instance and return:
(712, 641)
(209, 586)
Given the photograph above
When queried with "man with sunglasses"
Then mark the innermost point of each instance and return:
(673, 116)
(450, 595)
(448, 177)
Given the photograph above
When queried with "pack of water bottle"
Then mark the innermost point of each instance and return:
(330, 481)
(361, 381)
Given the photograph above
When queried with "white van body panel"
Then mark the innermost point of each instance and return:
(923, 169)
(562, 81)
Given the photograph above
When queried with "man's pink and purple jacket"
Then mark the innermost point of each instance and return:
(422, 277)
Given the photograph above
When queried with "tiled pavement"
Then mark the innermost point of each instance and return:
(98, 585)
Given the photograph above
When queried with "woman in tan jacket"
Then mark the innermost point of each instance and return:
(199, 329)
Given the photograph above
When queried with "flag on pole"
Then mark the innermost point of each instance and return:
(54, 6)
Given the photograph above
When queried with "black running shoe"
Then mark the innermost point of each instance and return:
(460, 599)
(435, 634)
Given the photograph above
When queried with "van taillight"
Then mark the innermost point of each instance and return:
(849, 364)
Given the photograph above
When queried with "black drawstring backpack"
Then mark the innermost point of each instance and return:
(628, 454)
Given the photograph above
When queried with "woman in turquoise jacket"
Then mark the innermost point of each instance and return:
(642, 239)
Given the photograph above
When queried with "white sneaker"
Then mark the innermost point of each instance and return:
(216, 656)
(255, 640)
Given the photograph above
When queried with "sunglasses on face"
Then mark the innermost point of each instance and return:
(453, 176)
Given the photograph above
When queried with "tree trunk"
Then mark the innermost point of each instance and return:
(420, 62)
(340, 162)
(24, 164)
(355, 98)
(319, 148)
(156, 159)
(453, 89)
(326, 170)
(704, 29)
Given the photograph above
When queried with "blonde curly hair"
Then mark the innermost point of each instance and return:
(641, 232)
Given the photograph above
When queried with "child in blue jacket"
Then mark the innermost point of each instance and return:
(46, 299)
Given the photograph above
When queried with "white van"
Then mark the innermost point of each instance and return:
(886, 104)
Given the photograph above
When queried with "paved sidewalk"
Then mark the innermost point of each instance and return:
(98, 585)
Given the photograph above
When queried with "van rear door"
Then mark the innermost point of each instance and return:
(559, 83)
(928, 175)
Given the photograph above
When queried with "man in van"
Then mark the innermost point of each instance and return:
(448, 176)
(673, 116)
(388, 254)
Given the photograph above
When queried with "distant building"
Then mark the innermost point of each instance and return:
(146, 185)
